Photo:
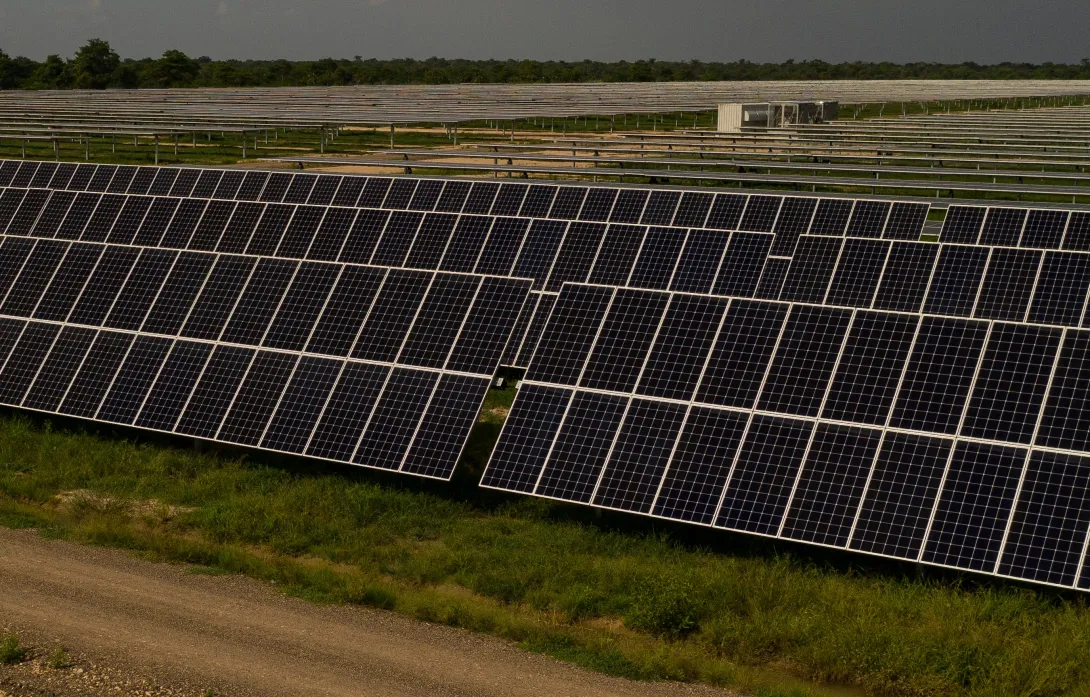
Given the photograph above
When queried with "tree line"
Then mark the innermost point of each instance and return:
(97, 66)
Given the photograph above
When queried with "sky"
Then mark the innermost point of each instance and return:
(951, 31)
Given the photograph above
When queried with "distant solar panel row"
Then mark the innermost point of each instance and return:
(378, 367)
(956, 442)
(788, 216)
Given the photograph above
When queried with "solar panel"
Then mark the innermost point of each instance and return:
(255, 351)
(951, 441)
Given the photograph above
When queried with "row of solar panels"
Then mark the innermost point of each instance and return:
(1017, 227)
(549, 251)
(956, 442)
(966, 224)
(1047, 287)
(375, 366)
(835, 270)
(1044, 287)
(689, 209)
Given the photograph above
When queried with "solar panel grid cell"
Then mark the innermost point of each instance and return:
(639, 455)
(29, 211)
(831, 217)
(858, 271)
(906, 276)
(772, 278)
(80, 212)
(205, 187)
(46, 170)
(760, 213)
(57, 208)
(628, 331)
(576, 255)
(830, 485)
(325, 188)
(481, 197)
(450, 201)
(657, 259)
(868, 218)
(1044, 229)
(906, 221)
(700, 261)
(660, 208)
(793, 220)
(569, 200)
(742, 264)
(1003, 226)
(598, 205)
(24, 173)
(811, 269)
(956, 281)
(1008, 284)
(505, 240)
(693, 210)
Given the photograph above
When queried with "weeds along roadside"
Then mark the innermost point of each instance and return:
(620, 595)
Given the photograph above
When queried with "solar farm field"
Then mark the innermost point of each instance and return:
(730, 419)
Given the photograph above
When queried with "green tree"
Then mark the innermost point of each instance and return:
(9, 73)
(174, 69)
(95, 65)
(52, 73)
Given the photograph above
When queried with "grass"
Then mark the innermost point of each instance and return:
(621, 595)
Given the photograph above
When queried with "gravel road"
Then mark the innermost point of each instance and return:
(164, 630)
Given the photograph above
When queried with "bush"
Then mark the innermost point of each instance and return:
(59, 659)
(10, 651)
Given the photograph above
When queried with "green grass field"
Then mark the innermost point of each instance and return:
(619, 594)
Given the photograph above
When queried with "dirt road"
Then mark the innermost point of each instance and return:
(239, 637)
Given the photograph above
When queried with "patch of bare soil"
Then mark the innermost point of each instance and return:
(136, 628)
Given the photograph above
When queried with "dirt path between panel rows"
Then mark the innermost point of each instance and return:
(161, 625)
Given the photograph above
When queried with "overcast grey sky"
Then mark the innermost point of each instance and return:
(985, 31)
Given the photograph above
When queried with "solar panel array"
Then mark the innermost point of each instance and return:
(949, 441)
(668, 239)
(785, 366)
(378, 367)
